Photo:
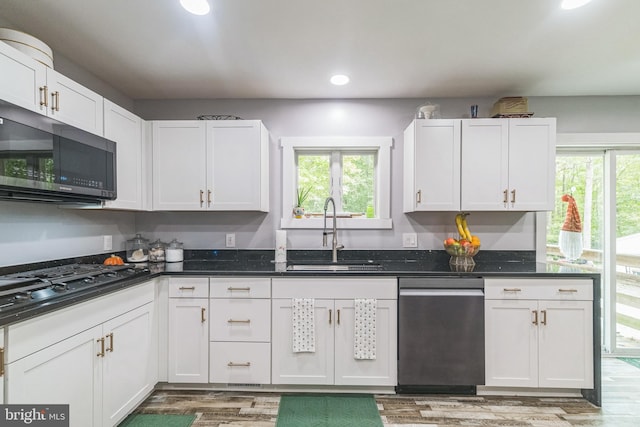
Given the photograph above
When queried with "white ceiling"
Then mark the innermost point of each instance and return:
(153, 49)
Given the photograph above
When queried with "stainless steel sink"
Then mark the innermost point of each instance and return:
(335, 267)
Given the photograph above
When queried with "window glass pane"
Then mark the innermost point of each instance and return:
(627, 254)
(314, 174)
(579, 178)
(358, 182)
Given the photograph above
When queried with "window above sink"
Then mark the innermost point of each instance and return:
(335, 158)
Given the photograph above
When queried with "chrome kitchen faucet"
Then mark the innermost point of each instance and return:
(335, 247)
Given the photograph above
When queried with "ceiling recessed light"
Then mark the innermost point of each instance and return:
(197, 7)
(340, 79)
(573, 4)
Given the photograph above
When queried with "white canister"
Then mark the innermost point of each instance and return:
(174, 251)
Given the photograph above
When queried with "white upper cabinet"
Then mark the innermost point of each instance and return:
(210, 165)
(31, 85)
(125, 129)
(432, 166)
(508, 164)
(22, 78)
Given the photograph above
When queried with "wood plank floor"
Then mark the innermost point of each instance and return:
(620, 408)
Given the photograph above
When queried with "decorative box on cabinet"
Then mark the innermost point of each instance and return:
(333, 362)
(432, 166)
(240, 334)
(188, 359)
(95, 356)
(539, 333)
(508, 164)
(210, 165)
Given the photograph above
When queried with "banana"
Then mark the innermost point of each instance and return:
(465, 227)
(461, 232)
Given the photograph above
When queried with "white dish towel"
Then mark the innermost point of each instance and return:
(304, 332)
(364, 346)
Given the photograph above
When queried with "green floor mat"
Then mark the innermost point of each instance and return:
(157, 420)
(631, 361)
(310, 410)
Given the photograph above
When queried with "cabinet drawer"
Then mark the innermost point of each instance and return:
(188, 287)
(235, 287)
(240, 363)
(548, 289)
(240, 320)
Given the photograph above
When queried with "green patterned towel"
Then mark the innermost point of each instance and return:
(334, 410)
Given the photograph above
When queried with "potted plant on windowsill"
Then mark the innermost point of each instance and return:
(302, 194)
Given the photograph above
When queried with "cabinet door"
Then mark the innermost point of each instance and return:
(237, 172)
(302, 368)
(74, 104)
(179, 165)
(23, 79)
(532, 153)
(127, 377)
(484, 165)
(188, 340)
(125, 129)
(68, 372)
(432, 166)
(566, 344)
(511, 343)
(383, 369)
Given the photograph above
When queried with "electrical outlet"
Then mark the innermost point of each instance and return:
(409, 240)
(107, 243)
(230, 240)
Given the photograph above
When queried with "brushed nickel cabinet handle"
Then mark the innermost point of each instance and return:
(544, 317)
(55, 101)
(329, 316)
(201, 198)
(231, 289)
(338, 317)
(512, 290)
(232, 364)
(1, 361)
(568, 290)
(44, 96)
(505, 199)
(187, 288)
(419, 196)
(202, 318)
(513, 196)
(535, 317)
(110, 336)
(239, 321)
(209, 197)
(101, 341)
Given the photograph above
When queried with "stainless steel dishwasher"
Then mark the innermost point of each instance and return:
(440, 334)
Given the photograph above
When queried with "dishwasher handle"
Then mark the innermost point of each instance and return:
(408, 292)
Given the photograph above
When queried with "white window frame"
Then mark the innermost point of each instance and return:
(382, 145)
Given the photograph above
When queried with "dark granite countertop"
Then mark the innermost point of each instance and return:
(398, 263)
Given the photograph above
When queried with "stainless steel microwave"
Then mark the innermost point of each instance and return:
(42, 159)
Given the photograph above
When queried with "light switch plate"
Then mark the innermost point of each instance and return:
(409, 240)
(230, 241)
(107, 243)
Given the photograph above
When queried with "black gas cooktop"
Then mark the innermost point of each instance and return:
(19, 290)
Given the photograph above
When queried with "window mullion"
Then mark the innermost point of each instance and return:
(336, 179)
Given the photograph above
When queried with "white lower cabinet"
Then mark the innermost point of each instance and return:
(102, 372)
(539, 333)
(188, 359)
(333, 362)
(240, 330)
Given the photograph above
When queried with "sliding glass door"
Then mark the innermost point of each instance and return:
(595, 227)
